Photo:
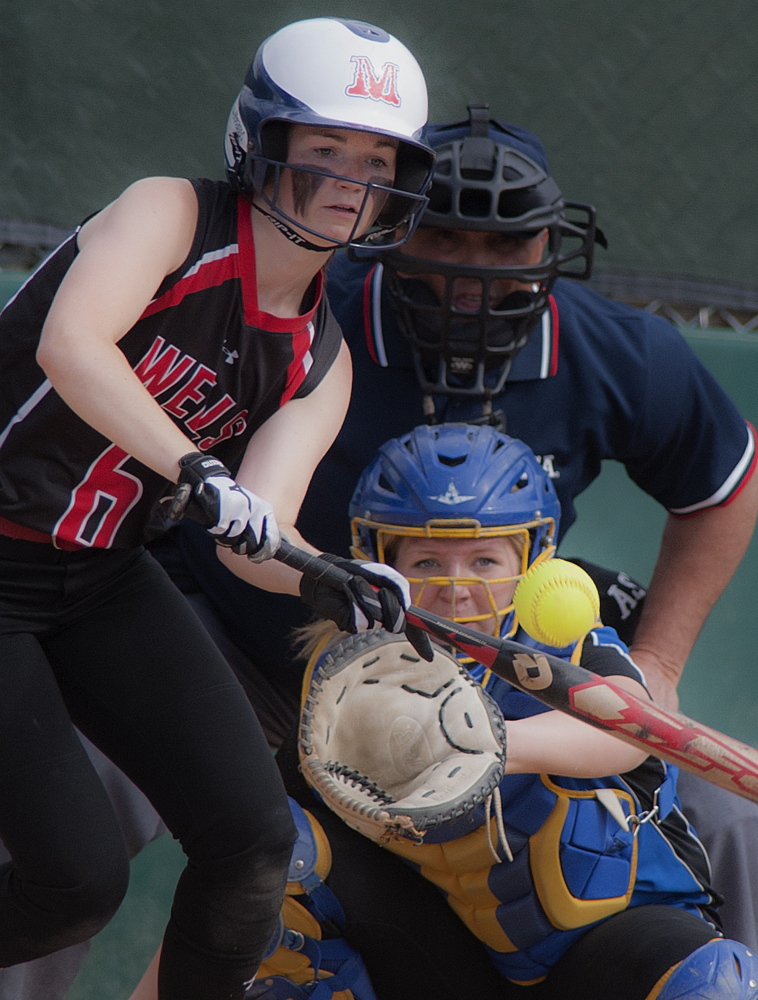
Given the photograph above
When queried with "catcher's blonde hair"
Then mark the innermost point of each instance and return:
(306, 639)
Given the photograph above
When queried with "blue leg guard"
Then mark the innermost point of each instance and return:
(719, 970)
(299, 964)
(345, 974)
(346, 978)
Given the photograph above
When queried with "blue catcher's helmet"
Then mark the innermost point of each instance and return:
(455, 481)
(488, 177)
(333, 73)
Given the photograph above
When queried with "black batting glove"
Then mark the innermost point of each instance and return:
(376, 594)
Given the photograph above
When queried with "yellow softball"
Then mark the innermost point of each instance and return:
(556, 602)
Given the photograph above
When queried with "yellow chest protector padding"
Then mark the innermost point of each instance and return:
(461, 869)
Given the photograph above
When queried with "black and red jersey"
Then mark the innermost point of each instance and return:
(216, 364)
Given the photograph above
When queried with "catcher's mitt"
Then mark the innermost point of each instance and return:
(395, 745)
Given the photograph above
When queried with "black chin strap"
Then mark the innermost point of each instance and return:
(296, 238)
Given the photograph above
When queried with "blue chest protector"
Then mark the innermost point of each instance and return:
(562, 854)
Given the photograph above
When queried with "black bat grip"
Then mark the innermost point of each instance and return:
(309, 565)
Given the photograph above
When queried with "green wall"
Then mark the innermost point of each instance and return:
(649, 110)
(121, 953)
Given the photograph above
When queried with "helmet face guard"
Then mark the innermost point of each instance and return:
(383, 539)
(337, 74)
(386, 217)
(456, 481)
(488, 178)
(452, 350)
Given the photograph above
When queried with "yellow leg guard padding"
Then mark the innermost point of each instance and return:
(292, 964)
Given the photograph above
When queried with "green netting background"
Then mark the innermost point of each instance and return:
(649, 110)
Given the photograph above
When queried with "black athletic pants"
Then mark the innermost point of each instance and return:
(104, 640)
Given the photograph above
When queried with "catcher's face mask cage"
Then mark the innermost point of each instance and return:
(526, 538)
(489, 177)
(456, 481)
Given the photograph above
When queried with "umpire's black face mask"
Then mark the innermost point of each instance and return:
(469, 304)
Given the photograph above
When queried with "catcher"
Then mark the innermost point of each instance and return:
(566, 867)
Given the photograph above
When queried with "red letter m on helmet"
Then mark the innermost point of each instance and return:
(368, 84)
